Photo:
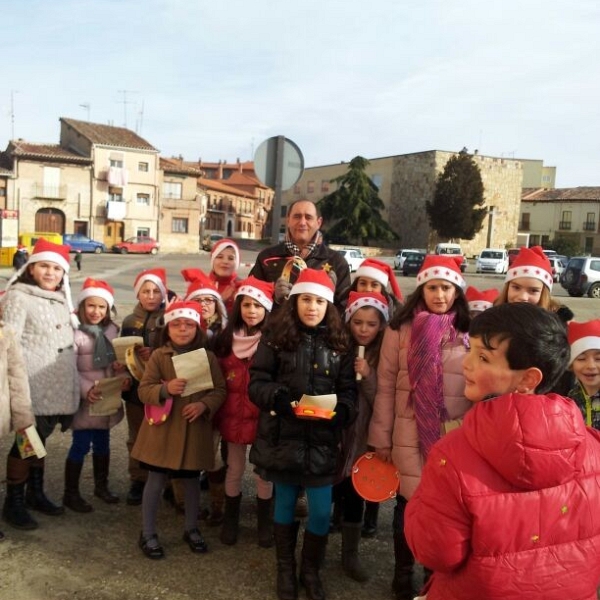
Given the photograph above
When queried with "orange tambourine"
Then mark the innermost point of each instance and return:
(373, 479)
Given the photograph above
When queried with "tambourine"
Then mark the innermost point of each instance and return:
(292, 268)
(134, 363)
(374, 479)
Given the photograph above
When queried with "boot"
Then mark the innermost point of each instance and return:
(72, 498)
(402, 585)
(136, 490)
(350, 543)
(35, 497)
(265, 522)
(14, 511)
(335, 522)
(101, 464)
(286, 537)
(313, 556)
(231, 520)
(369, 528)
(216, 492)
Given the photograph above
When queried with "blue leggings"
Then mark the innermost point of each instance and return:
(84, 439)
(319, 506)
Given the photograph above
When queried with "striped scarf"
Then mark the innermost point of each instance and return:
(307, 250)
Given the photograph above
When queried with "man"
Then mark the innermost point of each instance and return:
(303, 245)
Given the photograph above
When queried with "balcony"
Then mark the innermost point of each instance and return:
(589, 226)
(49, 192)
(564, 225)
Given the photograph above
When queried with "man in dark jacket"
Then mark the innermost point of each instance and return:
(20, 257)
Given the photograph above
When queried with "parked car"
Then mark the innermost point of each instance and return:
(512, 254)
(83, 243)
(401, 255)
(210, 240)
(557, 267)
(137, 245)
(353, 256)
(582, 276)
(453, 249)
(412, 263)
(492, 260)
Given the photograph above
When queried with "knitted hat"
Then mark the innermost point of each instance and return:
(182, 310)
(202, 285)
(381, 272)
(97, 288)
(583, 336)
(481, 300)
(358, 300)
(437, 266)
(531, 262)
(261, 291)
(312, 281)
(156, 276)
(220, 246)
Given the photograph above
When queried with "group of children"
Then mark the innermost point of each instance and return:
(499, 477)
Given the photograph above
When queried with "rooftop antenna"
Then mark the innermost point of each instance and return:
(140, 121)
(12, 113)
(125, 102)
(87, 107)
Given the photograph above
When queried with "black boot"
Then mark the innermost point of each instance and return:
(101, 465)
(35, 497)
(350, 543)
(286, 537)
(72, 498)
(369, 529)
(231, 520)
(402, 585)
(14, 511)
(136, 490)
(313, 556)
(264, 522)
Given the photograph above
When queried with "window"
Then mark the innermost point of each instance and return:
(143, 199)
(143, 166)
(172, 190)
(310, 187)
(565, 222)
(116, 163)
(590, 222)
(2, 191)
(179, 225)
(143, 232)
(325, 185)
(377, 181)
(297, 188)
(115, 194)
(525, 221)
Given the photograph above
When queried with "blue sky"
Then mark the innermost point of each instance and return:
(340, 78)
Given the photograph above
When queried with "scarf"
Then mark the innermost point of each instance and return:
(308, 249)
(429, 332)
(244, 346)
(104, 353)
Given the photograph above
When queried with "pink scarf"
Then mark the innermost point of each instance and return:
(429, 332)
(245, 346)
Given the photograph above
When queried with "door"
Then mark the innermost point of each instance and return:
(50, 220)
(113, 233)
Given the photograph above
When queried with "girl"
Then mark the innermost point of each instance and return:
(212, 308)
(480, 300)
(420, 385)
(95, 360)
(306, 352)
(38, 305)
(366, 317)
(15, 401)
(376, 276)
(182, 445)
(238, 417)
(224, 262)
(150, 287)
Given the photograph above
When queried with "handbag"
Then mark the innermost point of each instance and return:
(157, 414)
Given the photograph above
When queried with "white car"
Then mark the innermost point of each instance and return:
(492, 260)
(353, 256)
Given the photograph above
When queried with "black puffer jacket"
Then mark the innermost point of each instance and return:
(288, 449)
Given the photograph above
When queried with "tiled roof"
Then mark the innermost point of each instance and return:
(25, 149)
(581, 194)
(175, 165)
(245, 179)
(107, 135)
(219, 186)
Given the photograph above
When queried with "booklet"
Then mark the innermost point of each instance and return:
(111, 400)
(29, 443)
(195, 368)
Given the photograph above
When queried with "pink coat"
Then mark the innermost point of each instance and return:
(508, 507)
(393, 424)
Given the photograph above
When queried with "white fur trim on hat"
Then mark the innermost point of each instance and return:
(182, 313)
(534, 272)
(441, 272)
(367, 301)
(590, 342)
(480, 305)
(309, 287)
(50, 257)
(258, 295)
(153, 279)
(97, 292)
(374, 273)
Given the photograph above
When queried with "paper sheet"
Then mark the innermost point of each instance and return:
(326, 401)
(111, 397)
(121, 344)
(195, 368)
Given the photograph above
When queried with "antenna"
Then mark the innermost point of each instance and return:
(140, 122)
(125, 102)
(87, 107)
(12, 113)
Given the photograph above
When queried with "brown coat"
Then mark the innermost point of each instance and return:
(177, 444)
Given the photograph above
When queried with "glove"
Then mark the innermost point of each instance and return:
(341, 417)
(282, 290)
(282, 403)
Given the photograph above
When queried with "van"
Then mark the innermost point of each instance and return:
(452, 249)
(29, 239)
(492, 260)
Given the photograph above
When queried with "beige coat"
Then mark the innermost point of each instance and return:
(393, 424)
(177, 444)
(15, 402)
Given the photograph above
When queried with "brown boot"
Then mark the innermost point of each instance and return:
(101, 467)
(35, 497)
(313, 556)
(350, 560)
(72, 498)
(286, 537)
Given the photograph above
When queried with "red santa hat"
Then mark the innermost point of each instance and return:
(98, 289)
(583, 336)
(156, 276)
(220, 246)
(202, 285)
(381, 272)
(480, 300)
(182, 310)
(313, 281)
(261, 291)
(531, 262)
(437, 266)
(358, 300)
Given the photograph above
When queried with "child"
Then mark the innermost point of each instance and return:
(480, 300)
(508, 503)
(376, 276)
(15, 402)
(212, 308)
(306, 352)
(584, 339)
(366, 316)
(420, 386)
(238, 417)
(78, 259)
(150, 287)
(182, 445)
(38, 305)
(95, 360)
(224, 262)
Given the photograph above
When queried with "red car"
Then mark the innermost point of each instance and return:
(137, 245)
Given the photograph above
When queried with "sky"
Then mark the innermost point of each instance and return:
(212, 80)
